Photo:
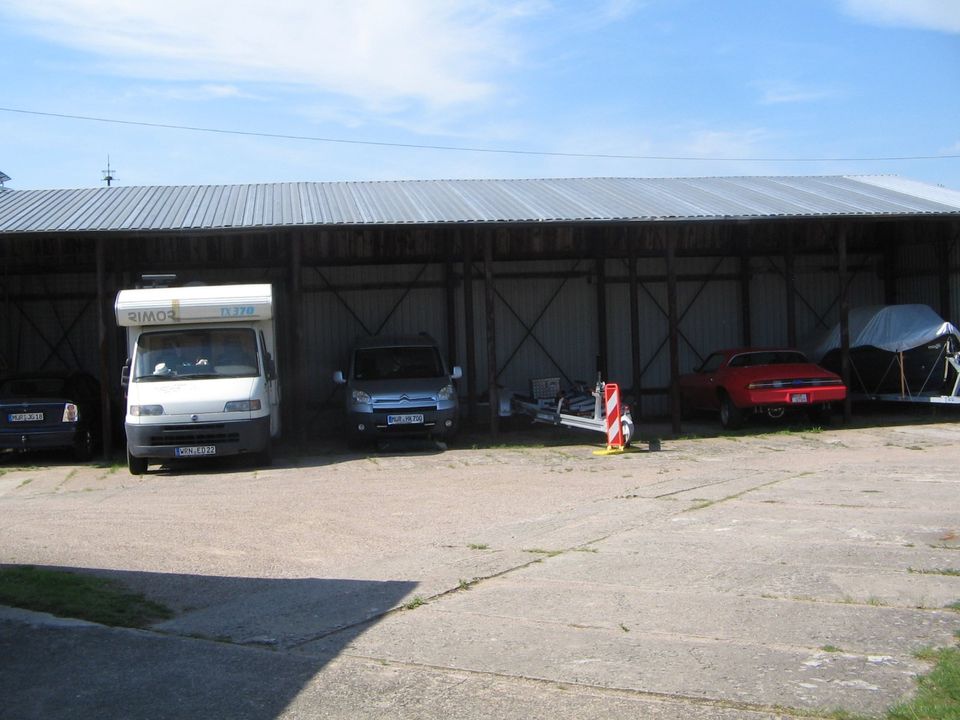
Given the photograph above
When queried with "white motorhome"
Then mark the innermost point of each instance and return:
(201, 375)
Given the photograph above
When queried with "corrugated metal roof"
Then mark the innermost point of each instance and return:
(224, 207)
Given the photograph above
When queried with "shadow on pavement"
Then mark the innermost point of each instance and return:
(228, 653)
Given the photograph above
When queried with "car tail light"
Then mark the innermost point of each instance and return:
(70, 413)
(794, 383)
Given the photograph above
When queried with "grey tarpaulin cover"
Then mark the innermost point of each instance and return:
(894, 328)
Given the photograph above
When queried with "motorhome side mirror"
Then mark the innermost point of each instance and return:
(125, 374)
(271, 368)
(457, 372)
(338, 377)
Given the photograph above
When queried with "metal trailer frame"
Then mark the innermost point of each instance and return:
(543, 412)
(952, 399)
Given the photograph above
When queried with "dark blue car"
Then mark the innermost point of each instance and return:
(50, 410)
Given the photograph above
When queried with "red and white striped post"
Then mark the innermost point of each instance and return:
(611, 399)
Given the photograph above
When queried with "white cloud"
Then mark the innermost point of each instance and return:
(785, 93)
(195, 93)
(725, 144)
(381, 52)
(940, 15)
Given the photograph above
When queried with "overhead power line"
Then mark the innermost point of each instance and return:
(463, 148)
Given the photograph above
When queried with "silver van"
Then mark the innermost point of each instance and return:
(399, 385)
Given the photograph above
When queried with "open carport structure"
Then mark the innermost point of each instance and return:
(635, 278)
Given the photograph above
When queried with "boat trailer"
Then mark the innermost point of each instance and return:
(582, 408)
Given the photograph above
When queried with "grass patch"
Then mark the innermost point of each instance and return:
(77, 596)
(478, 546)
(830, 648)
(938, 692)
(950, 572)
(25, 483)
(415, 603)
(541, 551)
(953, 606)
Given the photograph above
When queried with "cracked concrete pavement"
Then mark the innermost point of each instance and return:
(752, 576)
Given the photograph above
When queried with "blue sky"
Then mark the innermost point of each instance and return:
(718, 82)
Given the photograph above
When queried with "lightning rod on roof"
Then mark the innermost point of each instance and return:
(108, 177)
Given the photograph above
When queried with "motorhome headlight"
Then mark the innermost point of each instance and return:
(242, 406)
(359, 396)
(140, 410)
(70, 413)
(447, 393)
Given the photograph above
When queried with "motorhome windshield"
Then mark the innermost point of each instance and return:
(196, 354)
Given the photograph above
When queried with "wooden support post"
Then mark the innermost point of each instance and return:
(844, 319)
(789, 275)
(602, 350)
(746, 323)
(106, 424)
(890, 250)
(673, 318)
(943, 275)
(451, 288)
(296, 359)
(635, 330)
(491, 334)
(469, 327)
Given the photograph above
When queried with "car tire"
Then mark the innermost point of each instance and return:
(84, 446)
(264, 458)
(627, 429)
(731, 417)
(136, 465)
(820, 415)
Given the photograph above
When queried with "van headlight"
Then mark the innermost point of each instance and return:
(139, 410)
(447, 393)
(360, 397)
(242, 406)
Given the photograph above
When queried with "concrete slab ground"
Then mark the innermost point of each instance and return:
(754, 576)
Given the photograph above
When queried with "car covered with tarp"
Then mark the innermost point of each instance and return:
(896, 352)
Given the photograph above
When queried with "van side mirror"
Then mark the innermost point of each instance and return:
(125, 374)
(338, 377)
(457, 372)
(270, 367)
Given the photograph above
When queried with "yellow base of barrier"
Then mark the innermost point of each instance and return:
(610, 451)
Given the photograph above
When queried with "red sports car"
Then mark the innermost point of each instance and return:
(753, 380)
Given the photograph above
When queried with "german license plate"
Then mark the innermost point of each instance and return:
(408, 419)
(196, 451)
(799, 398)
(24, 417)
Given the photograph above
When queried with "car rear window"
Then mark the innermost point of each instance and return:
(32, 388)
(768, 357)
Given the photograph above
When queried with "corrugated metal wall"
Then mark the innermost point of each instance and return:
(341, 304)
(919, 284)
(545, 312)
(50, 323)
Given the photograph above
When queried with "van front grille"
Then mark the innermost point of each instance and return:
(193, 435)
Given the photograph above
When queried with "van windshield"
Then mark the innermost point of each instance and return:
(196, 354)
(397, 362)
